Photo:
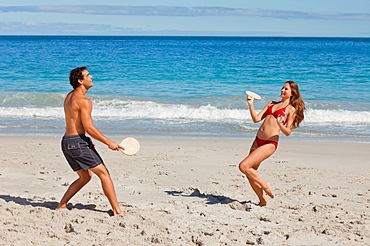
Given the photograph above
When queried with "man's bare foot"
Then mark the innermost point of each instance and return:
(262, 203)
(61, 206)
(268, 191)
(115, 213)
(118, 214)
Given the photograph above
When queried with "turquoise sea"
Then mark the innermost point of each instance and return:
(185, 86)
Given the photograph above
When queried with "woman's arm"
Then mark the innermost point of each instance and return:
(256, 117)
(289, 121)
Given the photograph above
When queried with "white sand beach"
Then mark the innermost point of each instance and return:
(187, 192)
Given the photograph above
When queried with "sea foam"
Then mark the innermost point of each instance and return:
(121, 109)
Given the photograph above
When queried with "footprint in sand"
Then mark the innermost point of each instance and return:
(239, 206)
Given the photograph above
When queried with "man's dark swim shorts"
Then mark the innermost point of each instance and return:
(80, 152)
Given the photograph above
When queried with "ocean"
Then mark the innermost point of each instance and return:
(185, 86)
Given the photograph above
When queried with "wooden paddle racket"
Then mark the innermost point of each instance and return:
(131, 145)
(254, 95)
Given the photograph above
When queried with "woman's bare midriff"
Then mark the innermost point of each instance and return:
(269, 130)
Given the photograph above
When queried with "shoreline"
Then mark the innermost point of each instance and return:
(243, 136)
(187, 191)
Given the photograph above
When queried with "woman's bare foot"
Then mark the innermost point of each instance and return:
(268, 191)
(263, 201)
(262, 198)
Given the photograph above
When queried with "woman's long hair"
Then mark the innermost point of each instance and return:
(297, 102)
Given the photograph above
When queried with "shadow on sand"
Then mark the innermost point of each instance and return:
(48, 204)
(210, 198)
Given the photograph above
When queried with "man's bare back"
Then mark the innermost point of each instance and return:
(72, 111)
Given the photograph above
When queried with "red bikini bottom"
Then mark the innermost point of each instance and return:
(261, 142)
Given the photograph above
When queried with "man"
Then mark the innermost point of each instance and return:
(77, 148)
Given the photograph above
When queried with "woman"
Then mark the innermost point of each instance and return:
(277, 116)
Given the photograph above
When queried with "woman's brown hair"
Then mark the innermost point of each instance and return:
(297, 102)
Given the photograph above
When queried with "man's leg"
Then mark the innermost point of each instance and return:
(84, 178)
(108, 187)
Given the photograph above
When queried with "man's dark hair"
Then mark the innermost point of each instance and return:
(75, 75)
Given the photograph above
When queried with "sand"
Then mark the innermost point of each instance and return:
(188, 192)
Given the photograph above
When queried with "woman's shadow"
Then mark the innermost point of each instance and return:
(48, 204)
(215, 199)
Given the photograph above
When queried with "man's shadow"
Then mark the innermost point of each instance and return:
(48, 204)
(210, 198)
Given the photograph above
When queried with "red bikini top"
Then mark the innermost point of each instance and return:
(277, 113)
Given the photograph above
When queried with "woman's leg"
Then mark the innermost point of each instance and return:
(249, 167)
(83, 179)
(256, 187)
(259, 192)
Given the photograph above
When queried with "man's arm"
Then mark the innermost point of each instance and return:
(87, 122)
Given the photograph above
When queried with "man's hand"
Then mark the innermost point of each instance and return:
(115, 146)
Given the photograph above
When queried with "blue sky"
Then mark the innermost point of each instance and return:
(330, 18)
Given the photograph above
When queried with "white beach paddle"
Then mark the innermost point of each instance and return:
(131, 145)
(254, 95)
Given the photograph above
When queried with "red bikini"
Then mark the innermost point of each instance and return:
(276, 114)
(261, 142)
